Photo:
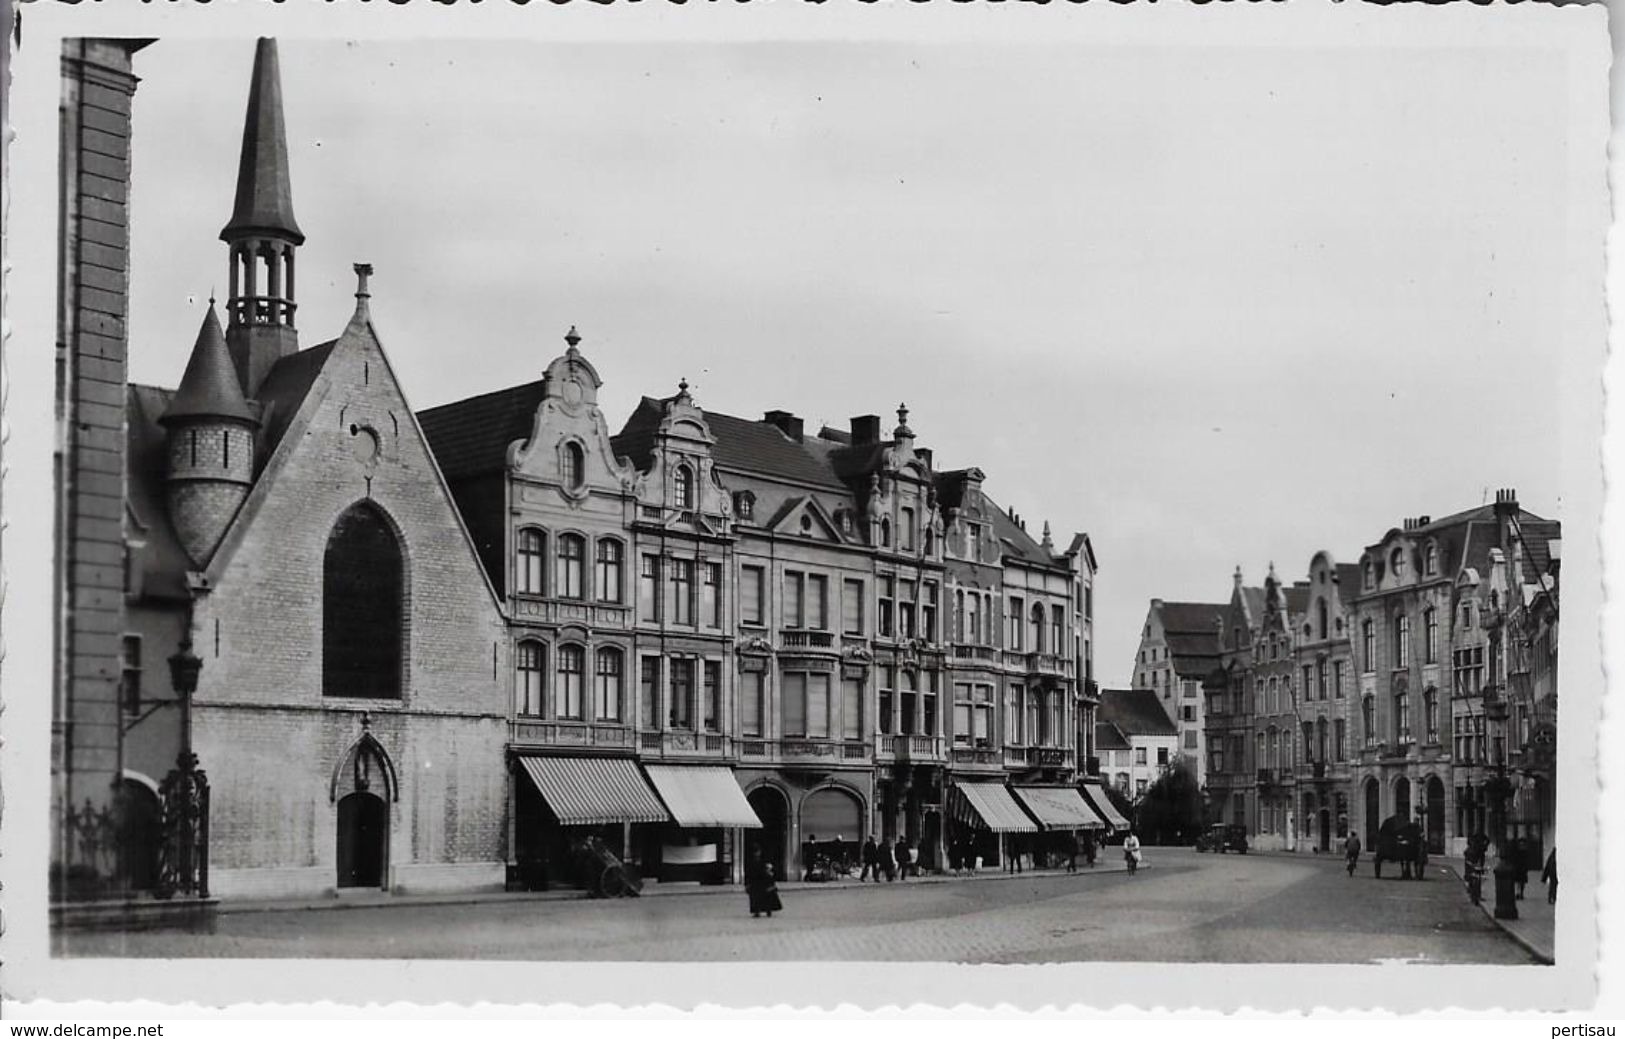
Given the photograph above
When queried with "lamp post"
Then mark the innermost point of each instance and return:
(184, 852)
(1498, 789)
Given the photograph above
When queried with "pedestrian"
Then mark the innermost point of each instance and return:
(871, 860)
(1549, 875)
(1351, 851)
(905, 859)
(887, 864)
(761, 888)
(1089, 848)
(955, 859)
(1072, 852)
(1131, 851)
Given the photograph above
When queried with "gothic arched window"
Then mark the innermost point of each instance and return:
(363, 588)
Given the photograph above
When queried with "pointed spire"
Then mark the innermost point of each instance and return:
(1048, 542)
(209, 389)
(264, 191)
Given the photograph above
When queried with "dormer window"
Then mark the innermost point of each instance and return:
(844, 520)
(684, 487)
(1396, 563)
(1430, 559)
(1369, 575)
(885, 533)
(745, 505)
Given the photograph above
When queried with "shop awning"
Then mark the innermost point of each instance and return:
(991, 805)
(590, 791)
(1096, 796)
(702, 795)
(1059, 807)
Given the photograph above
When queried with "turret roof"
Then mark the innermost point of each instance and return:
(264, 188)
(209, 389)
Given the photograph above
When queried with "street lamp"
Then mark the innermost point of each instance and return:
(184, 793)
(1499, 789)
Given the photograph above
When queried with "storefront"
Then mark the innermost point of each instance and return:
(1097, 798)
(707, 809)
(987, 825)
(1063, 813)
(565, 803)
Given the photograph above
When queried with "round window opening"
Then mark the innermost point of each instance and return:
(364, 444)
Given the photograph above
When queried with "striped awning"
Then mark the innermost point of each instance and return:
(1059, 807)
(1096, 796)
(991, 805)
(590, 791)
(702, 795)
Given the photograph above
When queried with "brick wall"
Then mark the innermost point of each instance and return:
(268, 737)
(93, 242)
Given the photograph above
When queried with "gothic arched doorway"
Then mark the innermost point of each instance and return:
(363, 834)
(1435, 823)
(1373, 812)
(774, 812)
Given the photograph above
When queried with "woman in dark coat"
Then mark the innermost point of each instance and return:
(760, 887)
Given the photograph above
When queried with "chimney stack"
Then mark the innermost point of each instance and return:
(786, 423)
(865, 429)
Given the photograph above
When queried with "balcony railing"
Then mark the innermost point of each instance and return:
(540, 732)
(972, 756)
(1050, 664)
(800, 638)
(909, 747)
(677, 743)
(979, 654)
(1037, 757)
(796, 749)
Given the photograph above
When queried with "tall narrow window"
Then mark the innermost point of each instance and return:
(1338, 745)
(928, 705)
(1402, 717)
(1016, 621)
(1308, 682)
(888, 685)
(883, 607)
(711, 594)
(959, 615)
(363, 615)
(751, 706)
(752, 580)
(682, 693)
(1430, 636)
(793, 702)
(531, 551)
(712, 700)
(571, 582)
(1320, 616)
(852, 607)
(575, 465)
(1368, 716)
(1402, 641)
(928, 611)
(1337, 679)
(974, 629)
(649, 589)
(905, 530)
(571, 666)
(130, 675)
(610, 554)
(1057, 629)
(818, 705)
(818, 602)
(851, 708)
(795, 599)
(649, 688)
(1430, 559)
(1368, 645)
(1430, 714)
(607, 685)
(908, 718)
(1320, 679)
(530, 666)
(885, 533)
(905, 610)
(684, 484)
(682, 591)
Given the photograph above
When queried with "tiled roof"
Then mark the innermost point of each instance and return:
(1297, 599)
(1537, 538)
(1348, 579)
(1191, 645)
(264, 194)
(1196, 666)
(1193, 617)
(284, 389)
(470, 437)
(744, 446)
(209, 389)
(1137, 712)
(1109, 737)
(1017, 541)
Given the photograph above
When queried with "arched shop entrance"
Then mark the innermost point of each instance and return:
(829, 813)
(771, 807)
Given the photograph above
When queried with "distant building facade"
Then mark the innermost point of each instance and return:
(1144, 740)
(1179, 648)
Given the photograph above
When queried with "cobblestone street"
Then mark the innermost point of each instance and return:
(1184, 907)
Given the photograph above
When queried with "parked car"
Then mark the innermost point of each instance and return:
(1400, 840)
(1223, 837)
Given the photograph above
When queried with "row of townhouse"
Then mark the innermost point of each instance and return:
(445, 649)
(1418, 682)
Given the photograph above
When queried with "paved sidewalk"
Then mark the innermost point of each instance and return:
(651, 889)
(1536, 926)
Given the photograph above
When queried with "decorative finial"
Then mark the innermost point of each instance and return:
(682, 391)
(363, 271)
(572, 337)
(902, 423)
(1048, 541)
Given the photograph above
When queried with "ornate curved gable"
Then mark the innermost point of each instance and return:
(569, 446)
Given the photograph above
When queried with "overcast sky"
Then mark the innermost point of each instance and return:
(1212, 306)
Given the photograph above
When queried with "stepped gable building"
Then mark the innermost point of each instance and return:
(1326, 675)
(1179, 648)
(1228, 700)
(1422, 594)
(286, 523)
(1276, 713)
(1140, 719)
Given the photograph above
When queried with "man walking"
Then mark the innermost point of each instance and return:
(871, 860)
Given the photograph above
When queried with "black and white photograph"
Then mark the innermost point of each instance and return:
(764, 506)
